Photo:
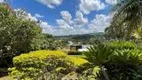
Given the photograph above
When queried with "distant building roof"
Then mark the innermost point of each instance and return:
(84, 48)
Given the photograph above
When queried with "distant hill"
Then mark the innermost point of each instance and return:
(81, 38)
(82, 35)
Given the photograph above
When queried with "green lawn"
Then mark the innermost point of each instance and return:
(81, 56)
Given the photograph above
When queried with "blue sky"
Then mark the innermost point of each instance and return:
(68, 17)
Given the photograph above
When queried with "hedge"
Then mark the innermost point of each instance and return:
(44, 64)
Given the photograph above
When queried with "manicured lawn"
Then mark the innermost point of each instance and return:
(81, 56)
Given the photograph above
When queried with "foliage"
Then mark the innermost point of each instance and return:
(122, 63)
(52, 65)
(51, 43)
(16, 36)
(117, 60)
(39, 64)
(20, 35)
(48, 43)
(127, 19)
(99, 55)
(138, 73)
(121, 45)
(88, 72)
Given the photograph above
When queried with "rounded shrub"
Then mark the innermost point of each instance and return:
(48, 65)
(39, 64)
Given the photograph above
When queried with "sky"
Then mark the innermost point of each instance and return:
(68, 17)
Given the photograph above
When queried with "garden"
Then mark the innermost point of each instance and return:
(28, 54)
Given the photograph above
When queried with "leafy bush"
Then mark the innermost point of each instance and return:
(88, 72)
(138, 73)
(98, 55)
(117, 60)
(123, 63)
(51, 65)
(39, 64)
(16, 36)
(122, 45)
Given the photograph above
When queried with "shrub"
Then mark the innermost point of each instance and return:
(122, 45)
(39, 64)
(138, 73)
(51, 65)
(98, 54)
(16, 36)
(123, 63)
(88, 72)
(118, 60)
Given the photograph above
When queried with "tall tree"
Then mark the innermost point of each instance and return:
(16, 36)
(127, 18)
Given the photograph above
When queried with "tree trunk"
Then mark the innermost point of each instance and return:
(104, 73)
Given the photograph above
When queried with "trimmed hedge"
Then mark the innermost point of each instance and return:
(52, 65)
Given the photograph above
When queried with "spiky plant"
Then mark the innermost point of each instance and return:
(98, 55)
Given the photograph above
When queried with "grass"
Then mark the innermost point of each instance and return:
(80, 56)
(76, 55)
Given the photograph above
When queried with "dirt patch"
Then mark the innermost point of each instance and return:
(5, 78)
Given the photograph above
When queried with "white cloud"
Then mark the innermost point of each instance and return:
(80, 20)
(80, 25)
(66, 16)
(112, 2)
(70, 26)
(32, 18)
(46, 28)
(38, 15)
(63, 24)
(86, 6)
(68, 22)
(100, 22)
(51, 3)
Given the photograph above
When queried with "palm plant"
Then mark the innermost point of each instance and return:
(124, 64)
(127, 17)
(99, 55)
